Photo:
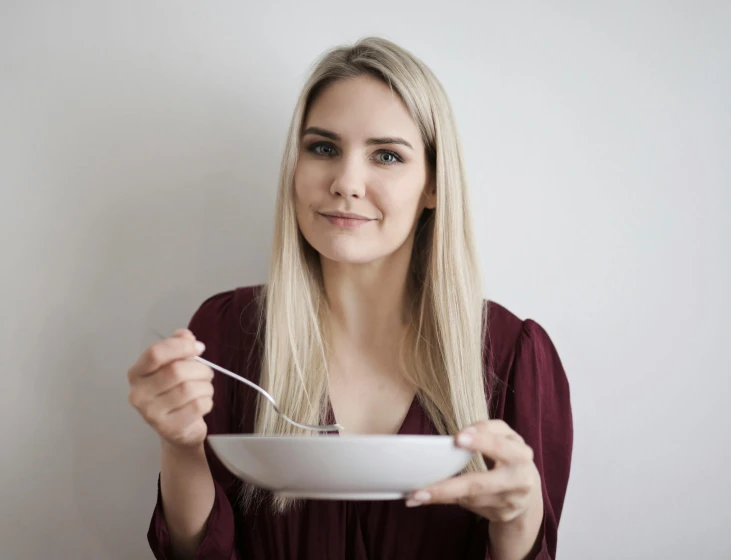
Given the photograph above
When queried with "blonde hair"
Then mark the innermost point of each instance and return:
(445, 348)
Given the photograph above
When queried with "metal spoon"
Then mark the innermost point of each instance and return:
(323, 428)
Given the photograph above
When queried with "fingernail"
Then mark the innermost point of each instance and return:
(199, 347)
(464, 439)
(420, 497)
(412, 503)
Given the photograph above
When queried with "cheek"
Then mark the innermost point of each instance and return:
(309, 182)
(402, 202)
(300, 182)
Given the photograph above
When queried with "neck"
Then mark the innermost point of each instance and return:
(368, 302)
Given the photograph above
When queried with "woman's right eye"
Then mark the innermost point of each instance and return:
(325, 149)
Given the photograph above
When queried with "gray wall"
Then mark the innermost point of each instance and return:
(139, 150)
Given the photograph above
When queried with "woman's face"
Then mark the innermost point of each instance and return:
(362, 179)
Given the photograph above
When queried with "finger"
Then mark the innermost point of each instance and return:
(496, 426)
(184, 333)
(182, 395)
(498, 447)
(461, 489)
(178, 397)
(174, 374)
(147, 389)
(191, 412)
(162, 353)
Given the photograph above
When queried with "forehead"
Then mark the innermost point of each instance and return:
(360, 108)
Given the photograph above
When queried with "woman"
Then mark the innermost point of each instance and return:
(372, 316)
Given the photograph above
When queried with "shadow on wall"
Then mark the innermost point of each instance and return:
(150, 258)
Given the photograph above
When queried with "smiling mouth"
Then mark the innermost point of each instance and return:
(345, 216)
(345, 220)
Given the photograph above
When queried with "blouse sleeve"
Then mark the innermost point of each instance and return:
(209, 326)
(537, 405)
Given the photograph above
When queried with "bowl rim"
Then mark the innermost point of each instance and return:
(395, 438)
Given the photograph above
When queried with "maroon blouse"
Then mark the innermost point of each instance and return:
(529, 391)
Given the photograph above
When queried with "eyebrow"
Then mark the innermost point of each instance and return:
(370, 142)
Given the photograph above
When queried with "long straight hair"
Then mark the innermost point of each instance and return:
(443, 353)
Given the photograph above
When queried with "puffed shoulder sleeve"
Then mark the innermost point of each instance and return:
(537, 404)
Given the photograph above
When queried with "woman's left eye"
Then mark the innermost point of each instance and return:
(388, 158)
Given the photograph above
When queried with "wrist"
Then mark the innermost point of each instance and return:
(518, 538)
(181, 452)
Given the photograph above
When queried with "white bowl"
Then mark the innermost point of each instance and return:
(340, 467)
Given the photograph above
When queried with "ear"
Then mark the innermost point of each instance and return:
(430, 195)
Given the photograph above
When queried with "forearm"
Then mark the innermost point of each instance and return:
(517, 539)
(188, 493)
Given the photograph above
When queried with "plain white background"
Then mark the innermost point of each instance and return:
(139, 152)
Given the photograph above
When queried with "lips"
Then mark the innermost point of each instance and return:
(345, 215)
(345, 220)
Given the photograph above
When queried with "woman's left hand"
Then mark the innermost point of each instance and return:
(511, 489)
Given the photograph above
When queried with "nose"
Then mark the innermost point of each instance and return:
(349, 180)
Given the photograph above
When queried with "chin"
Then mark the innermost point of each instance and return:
(346, 251)
(347, 256)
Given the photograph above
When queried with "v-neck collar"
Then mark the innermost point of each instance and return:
(409, 425)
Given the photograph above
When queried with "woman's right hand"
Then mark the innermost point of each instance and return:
(171, 391)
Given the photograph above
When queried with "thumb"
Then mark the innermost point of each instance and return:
(184, 333)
